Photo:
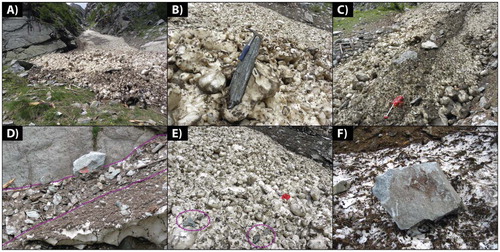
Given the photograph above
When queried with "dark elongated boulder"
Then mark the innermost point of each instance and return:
(243, 72)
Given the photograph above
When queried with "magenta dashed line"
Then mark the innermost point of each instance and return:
(23, 187)
(92, 200)
(105, 166)
(85, 203)
(135, 149)
(67, 177)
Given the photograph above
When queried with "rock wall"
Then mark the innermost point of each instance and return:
(45, 154)
(43, 28)
(117, 142)
(23, 39)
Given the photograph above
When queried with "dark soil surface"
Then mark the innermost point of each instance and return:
(368, 139)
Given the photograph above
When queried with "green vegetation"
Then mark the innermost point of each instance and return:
(320, 7)
(25, 104)
(91, 18)
(102, 11)
(394, 6)
(369, 16)
(141, 26)
(58, 14)
(161, 10)
(141, 19)
(360, 17)
(95, 133)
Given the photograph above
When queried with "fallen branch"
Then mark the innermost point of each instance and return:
(8, 183)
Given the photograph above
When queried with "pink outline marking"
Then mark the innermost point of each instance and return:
(256, 225)
(92, 200)
(85, 203)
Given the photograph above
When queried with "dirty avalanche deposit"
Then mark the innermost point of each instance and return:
(291, 83)
(442, 57)
(239, 177)
(111, 68)
(68, 214)
(469, 161)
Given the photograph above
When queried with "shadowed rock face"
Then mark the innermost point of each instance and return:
(22, 42)
(43, 28)
(416, 193)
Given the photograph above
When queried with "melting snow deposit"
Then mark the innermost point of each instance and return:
(469, 160)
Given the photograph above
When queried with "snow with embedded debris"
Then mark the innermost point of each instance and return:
(470, 161)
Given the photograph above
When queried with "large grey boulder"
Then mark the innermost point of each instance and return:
(35, 50)
(408, 55)
(416, 193)
(21, 35)
(91, 161)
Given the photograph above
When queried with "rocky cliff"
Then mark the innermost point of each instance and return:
(133, 21)
(44, 28)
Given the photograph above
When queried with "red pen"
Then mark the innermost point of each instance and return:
(398, 101)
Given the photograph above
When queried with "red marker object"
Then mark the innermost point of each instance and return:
(84, 170)
(398, 101)
(285, 196)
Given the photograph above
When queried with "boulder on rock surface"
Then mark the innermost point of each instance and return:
(90, 161)
(416, 193)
